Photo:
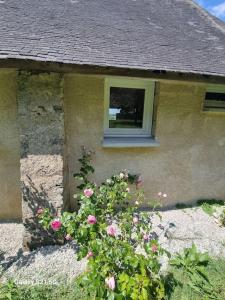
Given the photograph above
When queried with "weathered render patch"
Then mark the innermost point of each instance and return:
(41, 119)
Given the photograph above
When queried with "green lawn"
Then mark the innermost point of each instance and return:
(175, 291)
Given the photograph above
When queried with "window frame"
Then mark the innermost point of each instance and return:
(212, 105)
(149, 87)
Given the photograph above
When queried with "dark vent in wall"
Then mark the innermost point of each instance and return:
(215, 100)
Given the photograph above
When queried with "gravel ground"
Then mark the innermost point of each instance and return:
(11, 235)
(52, 264)
(187, 226)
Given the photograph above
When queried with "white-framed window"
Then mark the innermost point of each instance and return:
(214, 98)
(128, 107)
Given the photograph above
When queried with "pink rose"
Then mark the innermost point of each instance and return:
(90, 254)
(111, 230)
(56, 224)
(88, 192)
(110, 282)
(68, 237)
(92, 220)
(40, 211)
(154, 248)
(135, 220)
(145, 237)
(160, 194)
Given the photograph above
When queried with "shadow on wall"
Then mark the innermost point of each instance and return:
(35, 235)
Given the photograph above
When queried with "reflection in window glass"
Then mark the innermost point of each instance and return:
(215, 96)
(126, 107)
(214, 100)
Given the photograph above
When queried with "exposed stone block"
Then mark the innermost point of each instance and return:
(41, 119)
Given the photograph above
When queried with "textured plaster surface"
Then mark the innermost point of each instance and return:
(10, 196)
(189, 163)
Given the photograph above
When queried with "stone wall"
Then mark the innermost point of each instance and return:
(189, 163)
(10, 196)
(41, 119)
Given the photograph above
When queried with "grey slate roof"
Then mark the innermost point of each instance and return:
(172, 35)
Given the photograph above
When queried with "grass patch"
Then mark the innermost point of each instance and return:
(11, 291)
(209, 209)
(210, 206)
(222, 218)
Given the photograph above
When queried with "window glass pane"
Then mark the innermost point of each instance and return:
(126, 108)
(215, 96)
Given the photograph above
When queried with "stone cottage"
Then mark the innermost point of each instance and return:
(142, 83)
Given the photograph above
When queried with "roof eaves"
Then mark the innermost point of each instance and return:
(16, 62)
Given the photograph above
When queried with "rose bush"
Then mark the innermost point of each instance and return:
(115, 237)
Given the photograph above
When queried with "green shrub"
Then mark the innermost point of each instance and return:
(179, 286)
(193, 276)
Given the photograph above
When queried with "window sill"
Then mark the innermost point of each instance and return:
(129, 142)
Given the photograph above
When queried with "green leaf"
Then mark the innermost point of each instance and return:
(111, 296)
(144, 294)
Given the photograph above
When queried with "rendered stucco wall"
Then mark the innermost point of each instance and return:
(189, 163)
(10, 195)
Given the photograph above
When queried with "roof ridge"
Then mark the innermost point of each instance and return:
(208, 15)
